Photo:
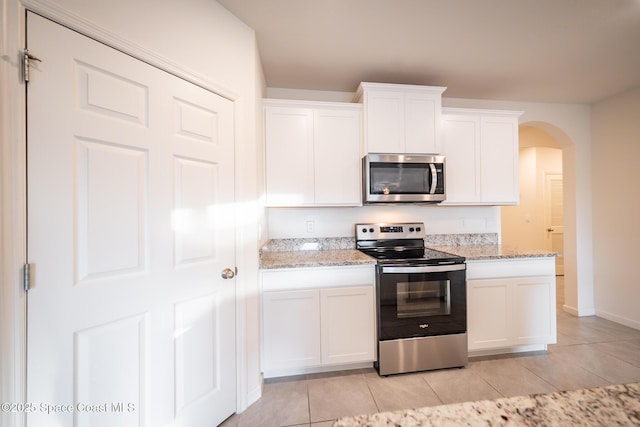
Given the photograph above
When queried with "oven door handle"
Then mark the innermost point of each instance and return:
(424, 268)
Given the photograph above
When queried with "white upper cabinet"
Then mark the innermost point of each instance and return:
(401, 118)
(481, 152)
(289, 155)
(312, 153)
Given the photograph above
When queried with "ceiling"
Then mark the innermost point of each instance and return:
(567, 51)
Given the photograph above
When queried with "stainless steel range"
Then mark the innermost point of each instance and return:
(421, 299)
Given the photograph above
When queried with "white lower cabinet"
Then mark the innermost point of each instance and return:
(347, 325)
(511, 305)
(291, 329)
(314, 319)
(488, 313)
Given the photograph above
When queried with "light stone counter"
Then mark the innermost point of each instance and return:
(325, 252)
(617, 405)
(493, 251)
(313, 258)
(337, 251)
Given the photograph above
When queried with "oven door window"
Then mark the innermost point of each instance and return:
(423, 298)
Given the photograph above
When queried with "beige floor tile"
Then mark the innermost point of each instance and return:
(561, 373)
(460, 385)
(510, 378)
(628, 351)
(401, 392)
(282, 404)
(599, 363)
(331, 398)
(583, 333)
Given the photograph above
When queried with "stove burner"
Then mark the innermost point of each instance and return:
(400, 243)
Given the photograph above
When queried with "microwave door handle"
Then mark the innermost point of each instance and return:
(434, 178)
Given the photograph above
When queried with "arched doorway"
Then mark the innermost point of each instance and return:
(538, 221)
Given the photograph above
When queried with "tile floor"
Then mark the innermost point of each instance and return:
(590, 352)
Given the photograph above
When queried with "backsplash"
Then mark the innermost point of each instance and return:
(309, 244)
(294, 223)
(461, 239)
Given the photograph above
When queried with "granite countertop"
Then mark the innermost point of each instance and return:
(604, 406)
(322, 252)
(314, 258)
(493, 251)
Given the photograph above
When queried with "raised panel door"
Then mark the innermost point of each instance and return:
(131, 186)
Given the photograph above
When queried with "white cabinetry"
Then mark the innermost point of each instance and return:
(511, 305)
(347, 325)
(292, 329)
(317, 319)
(312, 153)
(481, 151)
(401, 118)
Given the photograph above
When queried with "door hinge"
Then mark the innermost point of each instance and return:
(26, 58)
(26, 277)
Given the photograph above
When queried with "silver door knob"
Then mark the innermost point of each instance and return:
(228, 273)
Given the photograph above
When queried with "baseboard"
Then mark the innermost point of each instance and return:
(571, 310)
(579, 312)
(619, 319)
(315, 369)
(507, 350)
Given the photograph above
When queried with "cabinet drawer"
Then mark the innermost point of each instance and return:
(517, 267)
(318, 277)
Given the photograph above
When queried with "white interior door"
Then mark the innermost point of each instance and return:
(554, 218)
(130, 223)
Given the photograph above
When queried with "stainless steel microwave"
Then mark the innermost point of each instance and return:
(403, 178)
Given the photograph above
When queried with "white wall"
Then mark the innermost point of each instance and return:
(616, 207)
(198, 40)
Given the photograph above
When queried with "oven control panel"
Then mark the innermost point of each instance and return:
(378, 231)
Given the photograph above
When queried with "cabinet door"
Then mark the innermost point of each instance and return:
(291, 329)
(348, 325)
(488, 313)
(337, 157)
(534, 310)
(499, 156)
(422, 120)
(460, 141)
(289, 156)
(384, 121)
